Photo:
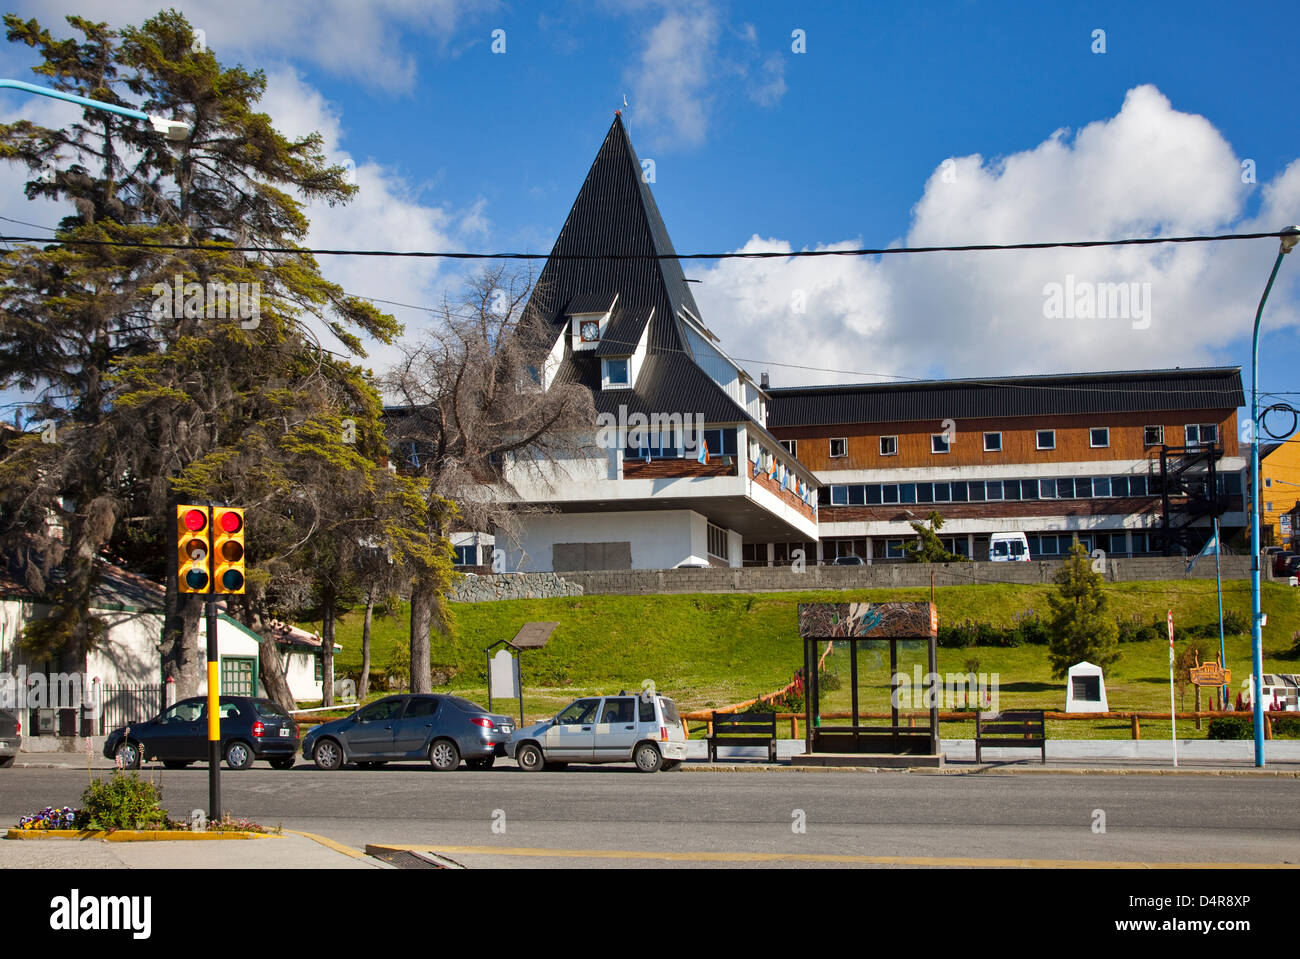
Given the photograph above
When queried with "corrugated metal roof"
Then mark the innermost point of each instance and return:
(591, 303)
(624, 331)
(1217, 388)
(615, 214)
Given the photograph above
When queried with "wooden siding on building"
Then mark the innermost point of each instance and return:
(1019, 440)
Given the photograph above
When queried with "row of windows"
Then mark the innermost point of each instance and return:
(1197, 434)
(668, 445)
(976, 491)
(469, 556)
(1045, 545)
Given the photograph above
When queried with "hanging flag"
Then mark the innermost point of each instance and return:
(772, 475)
(758, 466)
(704, 453)
(1211, 546)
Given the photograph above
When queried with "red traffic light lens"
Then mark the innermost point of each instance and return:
(231, 522)
(195, 520)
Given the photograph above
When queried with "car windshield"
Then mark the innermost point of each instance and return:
(582, 711)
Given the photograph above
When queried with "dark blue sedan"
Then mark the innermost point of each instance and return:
(438, 728)
(250, 729)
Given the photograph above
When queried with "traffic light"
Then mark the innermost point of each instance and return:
(193, 567)
(228, 550)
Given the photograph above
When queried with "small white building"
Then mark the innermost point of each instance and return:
(123, 677)
(1085, 689)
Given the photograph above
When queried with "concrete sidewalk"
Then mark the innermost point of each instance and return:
(290, 851)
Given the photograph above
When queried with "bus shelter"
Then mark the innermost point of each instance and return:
(855, 624)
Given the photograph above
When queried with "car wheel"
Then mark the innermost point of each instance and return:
(175, 763)
(128, 754)
(648, 758)
(530, 758)
(283, 762)
(484, 763)
(444, 756)
(327, 755)
(239, 755)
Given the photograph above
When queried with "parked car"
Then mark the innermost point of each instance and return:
(645, 729)
(251, 729)
(442, 729)
(11, 737)
(1280, 560)
(849, 561)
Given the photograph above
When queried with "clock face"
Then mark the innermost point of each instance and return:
(590, 330)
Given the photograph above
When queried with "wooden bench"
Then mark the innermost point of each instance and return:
(1012, 727)
(743, 729)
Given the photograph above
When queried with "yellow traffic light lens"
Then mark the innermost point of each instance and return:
(231, 551)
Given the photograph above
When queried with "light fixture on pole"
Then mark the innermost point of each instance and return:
(1289, 237)
(171, 129)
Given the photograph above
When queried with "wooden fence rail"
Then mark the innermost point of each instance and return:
(1134, 718)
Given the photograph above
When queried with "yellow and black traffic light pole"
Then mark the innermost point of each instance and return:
(210, 562)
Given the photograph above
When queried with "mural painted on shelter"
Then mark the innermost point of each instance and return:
(868, 620)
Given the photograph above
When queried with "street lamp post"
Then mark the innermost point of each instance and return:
(1289, 237)
(171, 129)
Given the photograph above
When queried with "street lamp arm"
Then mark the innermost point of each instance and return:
(171, 129)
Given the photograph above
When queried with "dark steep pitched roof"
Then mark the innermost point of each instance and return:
(616, 214)
(1217, 388)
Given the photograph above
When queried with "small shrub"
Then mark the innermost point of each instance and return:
(123, 801)
(987, 635)
(1243, 727)
(1030, 629)
(1235, 623)
(1231, 727)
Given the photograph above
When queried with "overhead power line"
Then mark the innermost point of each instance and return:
(757, 255)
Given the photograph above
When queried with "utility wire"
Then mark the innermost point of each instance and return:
(757, 255)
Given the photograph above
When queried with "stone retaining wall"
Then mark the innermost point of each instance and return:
(482, 589)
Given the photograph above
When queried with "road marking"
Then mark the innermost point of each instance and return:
(702, 856)
(326, 841)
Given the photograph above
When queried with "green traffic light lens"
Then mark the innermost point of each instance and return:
(196, 579)
(232, 579)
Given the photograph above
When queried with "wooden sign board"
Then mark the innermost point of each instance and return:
(1210, 674)
(868, 620)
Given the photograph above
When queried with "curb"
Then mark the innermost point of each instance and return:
(980, 770)
(131, 835)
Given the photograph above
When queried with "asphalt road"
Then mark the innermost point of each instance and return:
(615, 816)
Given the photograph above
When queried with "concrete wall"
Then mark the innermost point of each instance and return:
(763, 579)
(660, 538)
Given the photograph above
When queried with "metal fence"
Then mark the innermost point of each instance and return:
(124, 705)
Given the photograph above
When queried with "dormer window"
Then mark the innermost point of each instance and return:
(614, 372)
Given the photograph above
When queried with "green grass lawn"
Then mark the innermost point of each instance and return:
(711, 650)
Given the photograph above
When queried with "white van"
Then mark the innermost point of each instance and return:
(1008, 548)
